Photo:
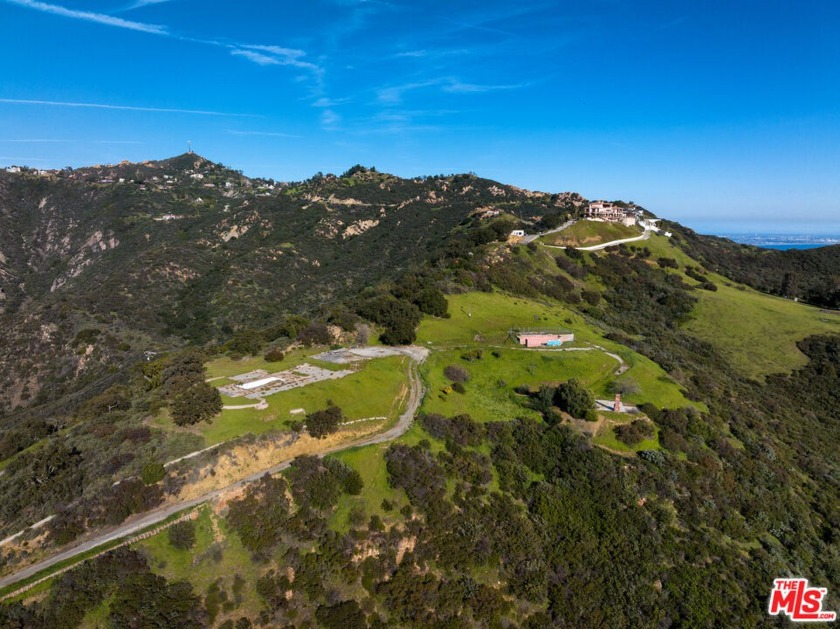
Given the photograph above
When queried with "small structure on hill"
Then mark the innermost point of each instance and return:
(516, 236)
(542, 337)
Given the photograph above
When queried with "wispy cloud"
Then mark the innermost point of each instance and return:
(441, 53)
(259, 54)
(99, 18)
(263, 55)
(484, 19)
(393, 95)
(256, 57)
(457, 87)
(19, 101)
(329, 118)
(143, 3)
(275, 55)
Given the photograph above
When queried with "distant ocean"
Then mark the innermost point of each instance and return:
(784, 241)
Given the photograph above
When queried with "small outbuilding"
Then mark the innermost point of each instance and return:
(544, 338)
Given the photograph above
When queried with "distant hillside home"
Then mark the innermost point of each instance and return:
(610, 213)
(544, 338)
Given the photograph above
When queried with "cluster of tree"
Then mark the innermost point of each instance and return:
(182, 534)
(43, 481)
(137, 597)
(24, 435)
(324, 422)
(264, 515)
(400, 309)
(460, 429)
(116, 398)
(71, 473)
(258, 517)
(570, 397)
(422, 291)
(319, 483)
(516, 273)
(398, 318)
(181, 378)
(635, 432)
(640, 297)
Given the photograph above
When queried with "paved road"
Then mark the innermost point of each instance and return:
(644, 236)
(532, 237)
(142, 521)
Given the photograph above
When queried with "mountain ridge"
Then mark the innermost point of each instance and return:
(174, 248)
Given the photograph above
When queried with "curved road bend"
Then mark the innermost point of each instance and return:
(416, 392)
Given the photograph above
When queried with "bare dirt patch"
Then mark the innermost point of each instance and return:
(244, 460)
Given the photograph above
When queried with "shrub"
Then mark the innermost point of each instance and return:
(635, 432)
(592, 297)
(432, 302)
(182, 535)
(475, 354)
(624, 386)
(652, 456)
(246, 343)
(153, 472)
(456, 373)
(344, 615)
(573, 398)
(668, 263)
(198, 403)
(274, 355)
(315, 334)
(325, 422)
(458, 387)
(87, 336)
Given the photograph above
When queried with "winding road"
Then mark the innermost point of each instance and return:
(142, 521)
(532, 237)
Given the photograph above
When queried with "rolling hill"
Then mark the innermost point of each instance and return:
(502, 504)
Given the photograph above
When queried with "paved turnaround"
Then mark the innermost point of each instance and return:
(142, 521)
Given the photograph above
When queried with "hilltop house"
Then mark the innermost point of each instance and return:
(610, 213)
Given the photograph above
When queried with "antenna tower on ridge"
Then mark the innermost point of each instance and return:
(189, 147)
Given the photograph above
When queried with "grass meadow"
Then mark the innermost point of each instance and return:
(375, 389)
(756, 332)
(588, 233)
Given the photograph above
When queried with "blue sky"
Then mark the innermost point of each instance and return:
(724, 115)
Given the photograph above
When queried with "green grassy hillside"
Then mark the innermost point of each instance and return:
(372, 391)
(755, 331)
(586, 233)
(482, 321)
